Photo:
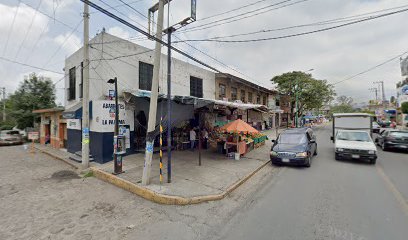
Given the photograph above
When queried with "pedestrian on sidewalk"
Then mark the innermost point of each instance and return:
(193, 136)
(205, 138)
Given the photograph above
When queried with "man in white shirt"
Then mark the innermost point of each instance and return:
(192, 138)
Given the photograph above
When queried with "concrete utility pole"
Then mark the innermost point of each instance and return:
(153, 98)
(375, 90)
(381, 87)
(85, 95)
(4, 104)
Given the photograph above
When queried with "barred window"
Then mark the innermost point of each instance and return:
(243, 95)
(196, 87)
(72, 82)
(145, 76)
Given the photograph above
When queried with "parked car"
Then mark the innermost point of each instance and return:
(294, 146)
(10, 137)
(355, 145)
(376, 127)
(393, 139)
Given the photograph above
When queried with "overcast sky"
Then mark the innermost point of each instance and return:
(39, 40)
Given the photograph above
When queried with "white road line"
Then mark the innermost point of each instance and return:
(400, 198)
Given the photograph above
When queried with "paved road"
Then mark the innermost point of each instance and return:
(331, 200)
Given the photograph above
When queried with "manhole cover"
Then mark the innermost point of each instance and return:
(64, 175)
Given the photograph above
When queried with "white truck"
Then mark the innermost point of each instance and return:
(352, 137)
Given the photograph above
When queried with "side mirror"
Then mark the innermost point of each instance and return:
(273, 140)
(332, 138)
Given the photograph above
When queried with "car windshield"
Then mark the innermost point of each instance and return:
(292, 138)
(353, 136)
(399, 134)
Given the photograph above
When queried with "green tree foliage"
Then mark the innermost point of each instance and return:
(312, 93)
(36, 92)
(404, 107)
(344, 105)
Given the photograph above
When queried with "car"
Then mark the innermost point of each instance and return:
(294, 147)
(393, 139)
(376, 127)
(10, 137)
(355, 145)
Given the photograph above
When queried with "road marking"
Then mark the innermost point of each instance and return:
(400, 198)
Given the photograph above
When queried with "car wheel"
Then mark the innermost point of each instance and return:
(337, 157)
(309, 162)
(384, 147)
(315, 152)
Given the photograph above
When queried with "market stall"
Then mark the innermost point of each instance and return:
(239, 137)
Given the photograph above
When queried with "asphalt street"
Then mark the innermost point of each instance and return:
(331, 200)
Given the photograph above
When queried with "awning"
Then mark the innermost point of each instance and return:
(75, 111)
(197, 102)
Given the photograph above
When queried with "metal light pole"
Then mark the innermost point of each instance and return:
(297, 99)
(117, 164)
(169, 31)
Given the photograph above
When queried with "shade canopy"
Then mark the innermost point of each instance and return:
(239, 126)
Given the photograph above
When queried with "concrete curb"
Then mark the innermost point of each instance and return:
(57, 157)
(168, 199)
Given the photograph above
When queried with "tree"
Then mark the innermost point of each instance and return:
(344, 100)
(404, 107)
(36, 92)
(312, 93)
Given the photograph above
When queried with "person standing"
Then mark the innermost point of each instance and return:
(192, 138)
(205, 138)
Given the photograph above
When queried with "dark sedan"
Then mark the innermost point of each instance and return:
(393, 139)
(294, 147)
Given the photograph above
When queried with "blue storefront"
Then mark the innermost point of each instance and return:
(102, 121)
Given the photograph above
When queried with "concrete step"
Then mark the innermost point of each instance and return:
(77, 157)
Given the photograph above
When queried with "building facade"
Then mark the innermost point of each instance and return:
(53, 128)
(132, 65)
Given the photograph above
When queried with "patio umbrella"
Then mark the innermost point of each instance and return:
(239, 126)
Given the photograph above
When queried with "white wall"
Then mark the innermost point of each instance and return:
(126, 69)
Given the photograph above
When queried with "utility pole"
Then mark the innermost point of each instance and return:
(4, 104)
(169, 31)
(153, 99)
(381, 87)
(375, 90)
(85, 95)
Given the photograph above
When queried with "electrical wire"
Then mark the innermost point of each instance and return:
(11, 28)
(299, 34)
(231, 19)
(325, 22)
(63, 43)
(371, 68)
(28, 65)
(28, 30)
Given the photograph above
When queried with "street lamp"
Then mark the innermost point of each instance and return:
(297, 99)
(117, 164)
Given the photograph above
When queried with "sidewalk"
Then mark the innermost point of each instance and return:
(191, 183)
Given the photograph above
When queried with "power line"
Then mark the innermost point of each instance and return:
(299, 34)
(372, 68)
(11, 28)
(63, 43)
(232, 10)
(325, 22)
(28, 65)
(231, 19)
(119, 5)
(28, 30)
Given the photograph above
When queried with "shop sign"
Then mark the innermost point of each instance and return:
(104, 116)
(74, 124)
(33, 135)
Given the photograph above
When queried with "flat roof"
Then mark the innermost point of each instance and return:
(49, 110)
(351, 115)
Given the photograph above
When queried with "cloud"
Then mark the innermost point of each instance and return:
(119, 32)
(70, 43)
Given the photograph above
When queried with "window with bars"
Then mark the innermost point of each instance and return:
(264, 100)
(196, 87)
(258, 99)
(243, 95)
(222, 92)
(145, 76)
(250, 99)
(72, 82)
(234, 93)
(81, 86)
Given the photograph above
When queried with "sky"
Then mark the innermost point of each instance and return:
(42, 33)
